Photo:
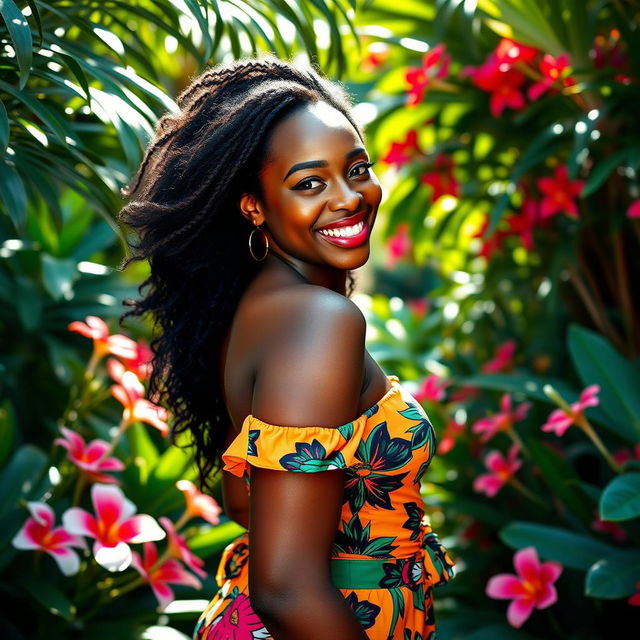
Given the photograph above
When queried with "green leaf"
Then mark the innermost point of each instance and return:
(620, 499)
(603, 170)
(50, 596)
(211, 540)
(597, 362)
(20, 475)
(574, 550)
(58, 276)
(7, 429)
(20, 33)
(4, 129)
(614, 577)
(13, 194)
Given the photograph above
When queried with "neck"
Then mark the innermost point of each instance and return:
(330, 278)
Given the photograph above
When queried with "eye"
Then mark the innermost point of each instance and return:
(361, 169)
(306, 184)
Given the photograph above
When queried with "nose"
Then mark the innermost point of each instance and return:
(344, 197)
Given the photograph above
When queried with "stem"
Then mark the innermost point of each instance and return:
(628, 312)
(80, 484)
(583, 423)
(518, 440)
(182, 520)
(122, 427)
(116, 593)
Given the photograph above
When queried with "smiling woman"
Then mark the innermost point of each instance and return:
(261, 357)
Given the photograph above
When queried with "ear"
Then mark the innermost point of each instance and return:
(251, 208)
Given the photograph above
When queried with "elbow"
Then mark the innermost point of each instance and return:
(269, 604)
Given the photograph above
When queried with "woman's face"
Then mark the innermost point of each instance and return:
(320, 195)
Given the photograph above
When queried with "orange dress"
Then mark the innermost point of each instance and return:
(386, 559)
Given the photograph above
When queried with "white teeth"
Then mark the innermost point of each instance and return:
(344, 232)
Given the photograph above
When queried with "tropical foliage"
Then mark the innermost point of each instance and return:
(501, 291)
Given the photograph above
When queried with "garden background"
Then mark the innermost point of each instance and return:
(500, 290)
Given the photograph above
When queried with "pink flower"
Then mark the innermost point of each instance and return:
(238, 621)
(402, 152)
(179, 548)
(113, 526)
(559, 193)
(501, 80)
(501, 421)
(140, 364)
(442, 180)
(103, 343)
(435, 64)
(634, 600)
(130, 392)
(159, 578)
(554, 71)
(38, 533)
(559, 421)
(432, 389)
(501, 469)
(399, 245)
(199, 504)
(531, 588)
(89, 458)
(502, 358)
(634, 209)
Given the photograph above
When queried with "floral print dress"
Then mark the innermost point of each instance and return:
(386, 559)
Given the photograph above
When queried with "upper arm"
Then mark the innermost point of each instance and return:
(311, 377)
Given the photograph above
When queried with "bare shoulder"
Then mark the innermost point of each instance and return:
(312, 364)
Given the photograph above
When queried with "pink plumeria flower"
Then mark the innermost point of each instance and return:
(159, 578)
(559, 421)
(89, 458)
(634, 209)
(199, 504)
(103, 343)
(531, 588)
(38, 533)
(500, 468)
(432, 389)
(179, 548)
(113, 526)
(502, 358)
(501, 421)
(130, 392)
(140, 364)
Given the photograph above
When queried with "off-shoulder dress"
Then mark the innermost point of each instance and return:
(386, 558)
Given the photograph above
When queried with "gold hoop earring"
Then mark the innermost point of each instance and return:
(266, 243)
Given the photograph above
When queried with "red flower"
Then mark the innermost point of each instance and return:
(450, 436)
(377, 54)
(634, 209)
(502, 358)
(554, 70)
(402, 152)
(524, 222)
(399, 245)
(532, 587)
(492, 243)
(623, 455)
(103, 343)
(501, 421)
(511, 52)
(38, 533)
(130, 392)
(89, 458)
(500, 468)
(199, 504)
(113, 526)
(605, 526)
(432, 389)
(559, 421)
(634, 600)
(559, 193)
(159, 578)
(502, 81)
(442, 180)
(435, 64)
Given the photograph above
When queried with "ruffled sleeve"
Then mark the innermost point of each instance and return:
(302, 449)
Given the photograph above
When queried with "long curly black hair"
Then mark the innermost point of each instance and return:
(184, 208)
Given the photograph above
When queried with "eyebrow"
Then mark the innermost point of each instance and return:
(314, 164)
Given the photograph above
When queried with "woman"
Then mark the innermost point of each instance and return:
(261, 357)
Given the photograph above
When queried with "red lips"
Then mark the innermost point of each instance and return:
(345, 222)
